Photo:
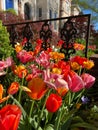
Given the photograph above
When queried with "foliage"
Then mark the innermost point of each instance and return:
(12, 11)
(5, 48)
(90, 5)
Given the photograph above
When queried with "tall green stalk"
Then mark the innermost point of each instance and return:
(20, 92)
(31, 108)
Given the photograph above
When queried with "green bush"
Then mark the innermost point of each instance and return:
(5, 47)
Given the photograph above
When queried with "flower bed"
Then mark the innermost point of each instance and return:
(41, 91)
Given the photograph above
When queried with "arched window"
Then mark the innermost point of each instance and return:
(27, 11)
(9, 4)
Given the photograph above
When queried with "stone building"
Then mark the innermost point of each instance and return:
(65, 8)
(41, 9)
(75, 9)
(38, 9)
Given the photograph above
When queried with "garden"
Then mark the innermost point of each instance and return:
(44, 87)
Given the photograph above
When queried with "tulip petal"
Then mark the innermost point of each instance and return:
(88, 79)
(38, 88)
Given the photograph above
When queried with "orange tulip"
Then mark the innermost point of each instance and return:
(89, 64)
(38, 88)
(2, 99)
(18, 48)
(14, 87)
(75, 66)
(78, 46)
(62, 91)
(20, 71)
(1, 91)
(56, 70)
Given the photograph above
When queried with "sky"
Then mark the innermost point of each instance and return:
(95, 23)
(92, 9)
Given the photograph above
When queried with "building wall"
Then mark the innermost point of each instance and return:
(75, 9)
(46, 6)
(0, 5)
(65, 8)
(41, 11)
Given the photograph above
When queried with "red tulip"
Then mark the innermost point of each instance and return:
(53, 102)
(10, 117)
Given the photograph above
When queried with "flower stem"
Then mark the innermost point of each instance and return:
(31, 109)
(23, 111)
(41, 114)
(20, 92)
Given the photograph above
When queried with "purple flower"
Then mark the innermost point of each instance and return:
(85, 100)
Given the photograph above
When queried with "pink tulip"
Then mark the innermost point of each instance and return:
(54, 80)
(24, 56)
(88, 79)
(6, 63)
(75, 82)
(2, 65)
(35, 71)
(43, 59)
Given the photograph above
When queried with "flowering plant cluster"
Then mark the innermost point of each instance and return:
(41, 91)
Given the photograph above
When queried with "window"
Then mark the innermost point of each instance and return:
(27, 11)
(50, 15)
(40, 12)
(55, 22)
(9, 4)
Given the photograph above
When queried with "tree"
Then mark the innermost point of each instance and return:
(92, 7)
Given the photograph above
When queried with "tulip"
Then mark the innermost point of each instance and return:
(10, 117)
(24, 56)
(43, 59)
(1, 91)
(75, 82)
(55, 81)
(5, 64)
(20, 71)
(62, 86)
(38, 88)
(14, 87)
(80, 60)
(2, 99)
(88, 79)
(53, 102)
(18, 47)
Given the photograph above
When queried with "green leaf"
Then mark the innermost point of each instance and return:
(84, 125)
(49, 127)
(67, 124)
